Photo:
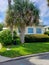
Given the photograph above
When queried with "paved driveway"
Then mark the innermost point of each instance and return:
(37, 60)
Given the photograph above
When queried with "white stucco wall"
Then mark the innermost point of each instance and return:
(26, 30)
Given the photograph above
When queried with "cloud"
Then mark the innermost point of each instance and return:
(3, 5)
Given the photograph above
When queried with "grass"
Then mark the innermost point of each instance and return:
(25, 49)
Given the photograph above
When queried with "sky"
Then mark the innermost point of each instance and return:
(41, 4)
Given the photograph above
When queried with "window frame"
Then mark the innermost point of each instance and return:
(37, 32)
(32, 31)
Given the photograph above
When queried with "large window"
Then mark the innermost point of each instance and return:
(30, 30)
(38, 30)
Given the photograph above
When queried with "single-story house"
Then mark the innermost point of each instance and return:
(46, 28)
(40, 29)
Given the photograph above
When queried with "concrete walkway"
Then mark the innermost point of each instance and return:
(2, 58)
(41, 59)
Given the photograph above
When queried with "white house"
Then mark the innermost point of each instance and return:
(46, 28)
(34, 29)
(40, 29)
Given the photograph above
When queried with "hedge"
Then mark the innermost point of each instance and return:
(36, 38)
(5, 37)
(47, 32)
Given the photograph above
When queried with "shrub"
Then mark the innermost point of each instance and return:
(47, 32)
(16, 39)
(37, 38)
(1, 26)
(5, 37)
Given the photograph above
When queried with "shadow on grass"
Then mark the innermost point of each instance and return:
(10, 53)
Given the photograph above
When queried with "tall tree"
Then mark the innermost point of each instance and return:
(9, 4)
(9, 17)
(26, 14)
(23, 13)
(9, 21)
(48, 2)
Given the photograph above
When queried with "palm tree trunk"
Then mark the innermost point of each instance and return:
(9, 4)
(22, 35)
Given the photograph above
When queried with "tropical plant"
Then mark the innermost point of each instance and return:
(48, 2)
(9, 17)
(26, 14)
(22, 13)
(9, 21)
(9, 4)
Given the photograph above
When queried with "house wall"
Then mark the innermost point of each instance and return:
(34, 30)
(46, 28)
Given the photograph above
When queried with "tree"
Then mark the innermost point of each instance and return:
(22, 14)
(9, 4)
(9, 17)
(48, 2)
(9, 21)
(26, 14)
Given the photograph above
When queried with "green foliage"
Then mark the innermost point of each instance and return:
(25, 11)
(25, 49)
(47, 32)
(37, 38)
(1, 26)
(6, 37)
(16, 39)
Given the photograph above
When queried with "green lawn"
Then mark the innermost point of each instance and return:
(25, 49)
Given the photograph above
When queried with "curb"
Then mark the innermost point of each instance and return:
(23, 57)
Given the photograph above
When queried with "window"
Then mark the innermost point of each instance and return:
(38, 30)
(30, 30)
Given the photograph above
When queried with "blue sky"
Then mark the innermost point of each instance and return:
(41, 4)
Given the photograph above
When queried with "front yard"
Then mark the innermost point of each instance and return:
(25, 49)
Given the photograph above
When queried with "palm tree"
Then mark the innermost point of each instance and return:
(22, 14)
(9, 17)
(9, 4)
(26, 14)
(48, 2)
(9, 21)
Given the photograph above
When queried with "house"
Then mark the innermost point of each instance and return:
(46, 28)
(40, 29)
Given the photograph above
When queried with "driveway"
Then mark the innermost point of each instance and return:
(37, 60)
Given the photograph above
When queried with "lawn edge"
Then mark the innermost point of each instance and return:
(23, 57)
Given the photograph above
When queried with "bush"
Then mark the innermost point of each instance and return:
(6, 37)
(16, 39)
(1, 26)
(47, 32)
(36, 38)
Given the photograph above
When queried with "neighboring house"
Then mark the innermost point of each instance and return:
(46, 28)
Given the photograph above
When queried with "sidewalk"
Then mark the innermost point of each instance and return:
(2, 58)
